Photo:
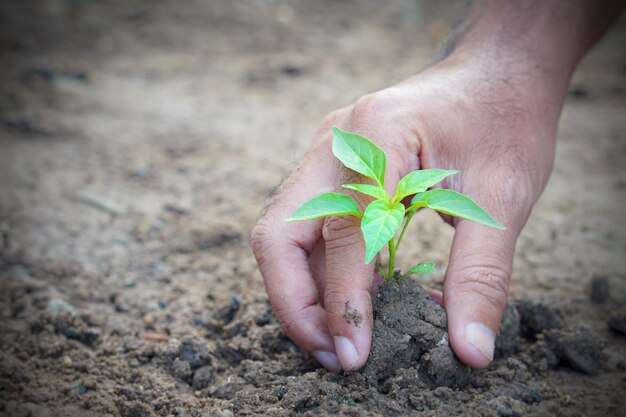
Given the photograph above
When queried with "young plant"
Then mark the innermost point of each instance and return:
(384, 216)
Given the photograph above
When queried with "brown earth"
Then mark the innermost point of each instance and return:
(138, 141)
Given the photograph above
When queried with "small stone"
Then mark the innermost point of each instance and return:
(88, 336)
(67, 361)
(80, 389)
(280, 392)
(148, 320)
(221, 413)
(56, 306)
(122, 307)
(197, 394)
(72, 333)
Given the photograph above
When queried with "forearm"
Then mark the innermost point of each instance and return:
(540, 39)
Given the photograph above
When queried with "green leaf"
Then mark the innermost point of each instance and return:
(422, 268)
(418, 181)
(327, 204)
(360, 155)
(380, 223)
(368, 189)
(455, 204)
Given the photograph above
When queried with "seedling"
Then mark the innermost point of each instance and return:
(387, 214)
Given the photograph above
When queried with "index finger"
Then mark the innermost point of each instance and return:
(282, 251)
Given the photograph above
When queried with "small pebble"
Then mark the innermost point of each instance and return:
(67, 362)
(221, 413)
(148, 320)
(80, 389)
(197, 394)
(56, 306)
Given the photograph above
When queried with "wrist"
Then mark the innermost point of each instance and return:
(538, 42)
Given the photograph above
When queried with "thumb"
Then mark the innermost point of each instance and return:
(347, 291)
(476, 289)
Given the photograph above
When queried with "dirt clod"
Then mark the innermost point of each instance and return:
(537, 317)
(194, 351)
(203, 377)
(181, 369)
(579, 349)
(443, 368)
(410, 332)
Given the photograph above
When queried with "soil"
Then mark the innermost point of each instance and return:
(410, 332)
(138, 142)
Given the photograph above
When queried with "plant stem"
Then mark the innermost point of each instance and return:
(406, 223)
(392, 260)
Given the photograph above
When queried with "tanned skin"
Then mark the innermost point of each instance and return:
(489, 108)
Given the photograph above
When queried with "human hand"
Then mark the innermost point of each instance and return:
(489, 110)
(449, 117)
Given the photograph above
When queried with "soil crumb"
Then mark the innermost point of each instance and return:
(352, 315)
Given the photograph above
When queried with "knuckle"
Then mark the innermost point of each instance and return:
(296, 318)
(288, 319)
(258, 236)
(380, 116)
(514, 193)
(371, 107)
(332, 119)
(489, 282)
(261, 239)
(334, 300)
(509, 196)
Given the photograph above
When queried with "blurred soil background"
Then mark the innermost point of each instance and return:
(138, 142)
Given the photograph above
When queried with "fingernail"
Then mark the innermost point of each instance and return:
(346, 352)
(481, 337)
(328, 359)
